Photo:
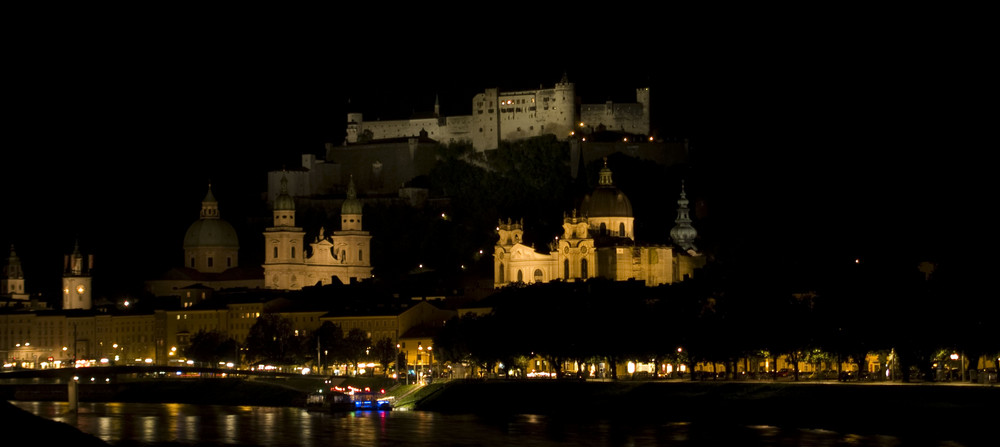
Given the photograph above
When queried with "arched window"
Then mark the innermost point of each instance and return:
(500, 274)
(538, 275)
(621, 229)
(293, 252)
(361, 255)
(275, 253)
(520, 276)
(604, 229)
(565, 268)
(583, 268)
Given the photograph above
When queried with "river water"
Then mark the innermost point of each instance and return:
(139, 424)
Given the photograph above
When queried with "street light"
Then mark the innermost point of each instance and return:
(430, 353)
(406, 371)
(421, 349)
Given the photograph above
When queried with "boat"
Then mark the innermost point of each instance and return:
(370, 400)
(353, 399)
(330, 401)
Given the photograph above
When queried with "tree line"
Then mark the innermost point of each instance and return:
(731, 319)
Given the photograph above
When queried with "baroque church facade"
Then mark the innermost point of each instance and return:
(598, 242)
(345, 255)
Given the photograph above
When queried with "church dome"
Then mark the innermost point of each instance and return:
(210, 233)
(210, 230)
(606, 200)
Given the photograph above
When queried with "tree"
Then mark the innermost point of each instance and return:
(355, 347)
(211, 347)
(272, 340)
(326, 340)
(384, 352)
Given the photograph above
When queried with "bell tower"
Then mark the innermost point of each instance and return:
(77, 292)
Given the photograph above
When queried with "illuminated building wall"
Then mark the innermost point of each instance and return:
(496, 116)
(597, 243)
(630, 118)
(76, 281)
(346, 255)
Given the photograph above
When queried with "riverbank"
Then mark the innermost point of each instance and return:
(936, 411)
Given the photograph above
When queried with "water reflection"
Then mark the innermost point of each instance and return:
(136, 424)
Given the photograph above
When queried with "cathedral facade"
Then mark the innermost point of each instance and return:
(345, 255)
(598, 242)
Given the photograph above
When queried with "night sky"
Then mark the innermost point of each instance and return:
(819, 143)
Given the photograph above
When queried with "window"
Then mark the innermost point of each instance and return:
(621, 229)
(293, 252)
(361, 256)
(192, 262)
(604, 229)
(500, 274)
(209, 261)
(583, 268)
(520, 276)
(538, 275)
(565, 268)
(275, 253)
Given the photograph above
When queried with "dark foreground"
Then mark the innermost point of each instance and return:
(962, 413)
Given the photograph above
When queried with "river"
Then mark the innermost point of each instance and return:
(142, 424)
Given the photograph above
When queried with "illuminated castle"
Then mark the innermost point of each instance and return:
(599, 242)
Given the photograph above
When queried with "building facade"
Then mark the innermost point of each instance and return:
(496, 116)
(76, 281)
(598, 242)
(346, 255)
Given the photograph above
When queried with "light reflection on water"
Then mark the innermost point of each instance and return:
(136, 424)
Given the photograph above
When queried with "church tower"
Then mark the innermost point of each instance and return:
(12, 278)
(76, 281)
(683, 234)
(283, 242)
(352, 245)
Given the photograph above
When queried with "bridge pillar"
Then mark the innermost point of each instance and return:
(73, 394)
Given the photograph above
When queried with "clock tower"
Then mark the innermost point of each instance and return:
(76, 281)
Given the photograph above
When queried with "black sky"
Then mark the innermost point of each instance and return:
(842, 135)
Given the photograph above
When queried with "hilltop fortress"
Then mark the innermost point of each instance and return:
(382, 156)
(508, 116)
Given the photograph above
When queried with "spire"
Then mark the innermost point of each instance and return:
(209, 206)
(683, 233)
(351, 204)
(13, 268)
(284, 202)
(351, 192)
(604, 178)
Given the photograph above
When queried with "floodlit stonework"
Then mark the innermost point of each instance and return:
(598, 242)
(509, 116)
(346, 255)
